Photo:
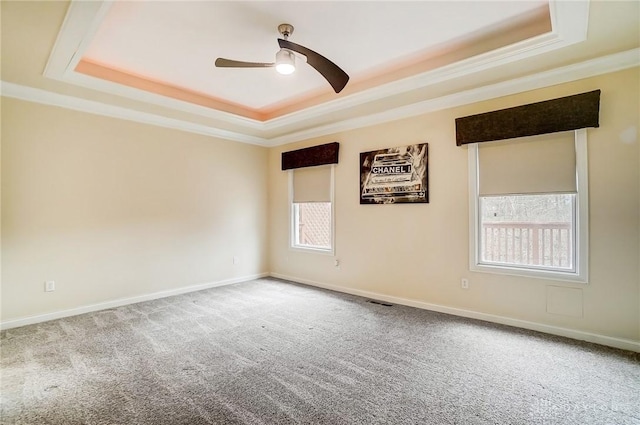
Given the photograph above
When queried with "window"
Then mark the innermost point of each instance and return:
(311, 194)
(312, 225)
(528, 212)
(534, 231)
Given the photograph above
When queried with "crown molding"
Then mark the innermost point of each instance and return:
(570, 19)
(98, 108)
(79, 26)
(586, 69)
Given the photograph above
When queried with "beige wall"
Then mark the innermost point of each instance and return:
(420, 252)
(111, 209)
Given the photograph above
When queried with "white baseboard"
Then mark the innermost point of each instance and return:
(625, 344)
(30, 320)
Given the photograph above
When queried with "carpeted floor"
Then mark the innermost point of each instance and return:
(272, 352)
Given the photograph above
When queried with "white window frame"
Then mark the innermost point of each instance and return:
(580, 274)
(292, 220)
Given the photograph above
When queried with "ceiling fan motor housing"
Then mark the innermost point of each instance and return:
(285, 29)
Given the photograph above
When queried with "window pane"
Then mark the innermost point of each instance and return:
(312, 225)
(535, 231)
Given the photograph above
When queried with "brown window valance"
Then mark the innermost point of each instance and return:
(550, 116)
(310, 157)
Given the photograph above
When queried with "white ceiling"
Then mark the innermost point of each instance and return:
(176, 42)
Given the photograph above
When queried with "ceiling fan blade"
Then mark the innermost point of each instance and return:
(230, 63)
(329, 70)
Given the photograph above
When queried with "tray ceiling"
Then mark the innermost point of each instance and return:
(154, 61)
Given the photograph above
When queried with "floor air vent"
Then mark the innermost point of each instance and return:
(380, 303)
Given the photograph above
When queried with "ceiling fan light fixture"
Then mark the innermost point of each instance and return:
(285, 62)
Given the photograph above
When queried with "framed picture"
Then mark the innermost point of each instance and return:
(394, 175)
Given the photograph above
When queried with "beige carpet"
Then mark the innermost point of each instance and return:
(271, 352)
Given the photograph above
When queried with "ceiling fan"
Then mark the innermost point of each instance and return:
(285, 61)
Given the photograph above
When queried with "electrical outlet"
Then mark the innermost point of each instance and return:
(236, 260)
(336, 262)
(49, 286)
(464, 283)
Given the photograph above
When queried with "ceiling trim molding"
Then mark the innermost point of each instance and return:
(81, 23)
(98, 108)
(429, 78)
(569, 23)
(79, 26)
(105, 86)
(570, 20)
(587, 69)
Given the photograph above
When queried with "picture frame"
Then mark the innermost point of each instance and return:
(396, 175)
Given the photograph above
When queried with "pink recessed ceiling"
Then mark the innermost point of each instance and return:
(169, 48)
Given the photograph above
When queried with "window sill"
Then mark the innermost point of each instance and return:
(568, 276)
(322, 251)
